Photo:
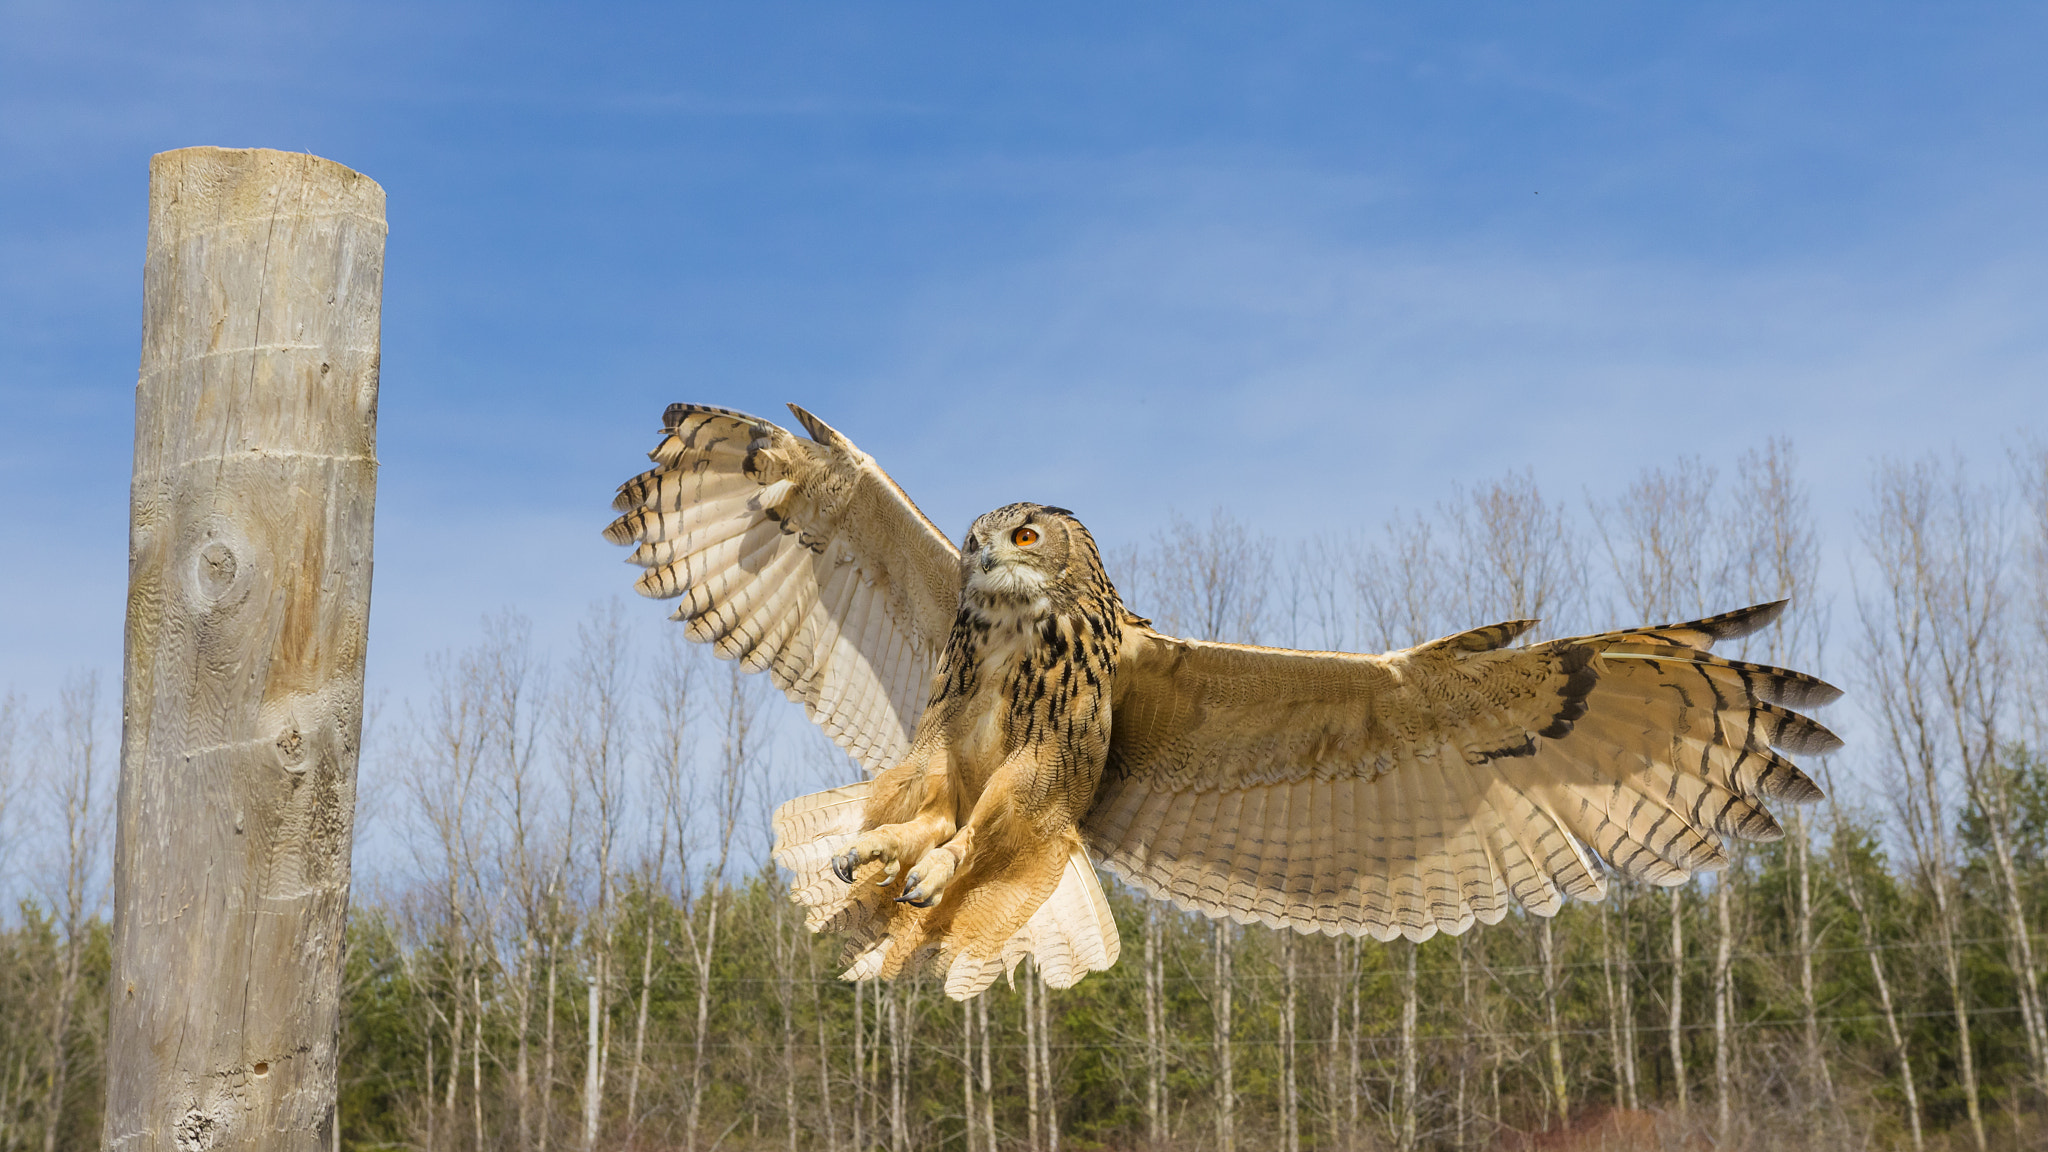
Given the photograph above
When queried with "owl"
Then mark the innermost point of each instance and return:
(1020, 727)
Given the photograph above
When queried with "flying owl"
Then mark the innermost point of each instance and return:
(1019, 724)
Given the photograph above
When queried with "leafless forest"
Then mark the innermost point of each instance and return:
(575, 940)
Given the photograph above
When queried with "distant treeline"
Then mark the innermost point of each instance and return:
(578, 945)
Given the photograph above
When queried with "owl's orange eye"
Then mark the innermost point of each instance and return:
(1024, 537)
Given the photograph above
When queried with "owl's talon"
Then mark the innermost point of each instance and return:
(895, 846)
(927, 882)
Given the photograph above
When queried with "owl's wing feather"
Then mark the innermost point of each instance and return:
(801, 557)
(1425, 789)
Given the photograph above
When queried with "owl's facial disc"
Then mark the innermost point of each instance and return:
(1009, 552)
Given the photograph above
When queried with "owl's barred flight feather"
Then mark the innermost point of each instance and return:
(1016, 716)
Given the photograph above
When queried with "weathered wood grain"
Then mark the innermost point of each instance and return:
(249, 596)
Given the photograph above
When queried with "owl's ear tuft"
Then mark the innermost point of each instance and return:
(822, 432)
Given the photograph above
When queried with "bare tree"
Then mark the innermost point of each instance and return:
(1775, 555)
(508, 683)
(968, 1114)
(988, 1101)
(1724, 947)
(75, 759)
(12, 713)
(595, 731)
(1290, 1117)
(1866, 930)
(1409, 1101)
(1154, 961)
(444, 775)
(2032, 467)
(1032, 1137)
(1045, 1067)
(786, 945)
(726, 803)
(1401, 589)
(652, 881)
(1553, 1035)
(1934, 670)
(1517, 557)
(1212, 583)
(1621, 1036)
(899, 1067)
(1517, 554)
(1658, 537)
(671, 680)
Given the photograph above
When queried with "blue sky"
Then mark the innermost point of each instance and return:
(1307, 262)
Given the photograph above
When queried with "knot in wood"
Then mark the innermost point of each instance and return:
(291, 747)
(216, 569)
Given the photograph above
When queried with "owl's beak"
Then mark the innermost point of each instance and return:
(988, 559)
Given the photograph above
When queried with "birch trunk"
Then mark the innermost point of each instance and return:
(640, 1020)
(1625, 963)
(860, 1094)
(1340, 1135)
(476, 1058)
(1678, 999)
(899, 1044)
(1613, 1004)
(78, 797)
(1408, 1020)
(522, 1063)
(547, 1058)
(1226, 1084)
(824, 1054)
(1724, 943)
(1290, 1124)
(1031, 1137)
(1867, 931)
(1816, 1060)
(592, 1071)
(1155, 1028)
(1553, 1036)
(1352, 1104)
(1052, 1098)
(967, 1073)
(988, 1099)
(1994, 801)
(249, 585)
(788, 990)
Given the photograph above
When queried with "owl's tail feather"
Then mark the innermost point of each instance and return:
(1069, 935)
(809, 831)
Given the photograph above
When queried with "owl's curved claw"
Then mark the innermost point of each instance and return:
(927, 882)
(844, 864)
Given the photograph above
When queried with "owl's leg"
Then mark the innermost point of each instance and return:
(935, 869)
(985, 882)
(912, 808)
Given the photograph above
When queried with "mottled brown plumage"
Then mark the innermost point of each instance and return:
(1015, 717)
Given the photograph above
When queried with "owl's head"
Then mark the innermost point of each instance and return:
(1028, 552)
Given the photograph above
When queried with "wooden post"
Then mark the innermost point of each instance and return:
(248, 607)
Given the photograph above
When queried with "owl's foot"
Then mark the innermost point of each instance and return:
(927, 881)
(892, 844)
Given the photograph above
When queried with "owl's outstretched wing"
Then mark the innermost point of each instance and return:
(1421, 790)
(801, 557)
